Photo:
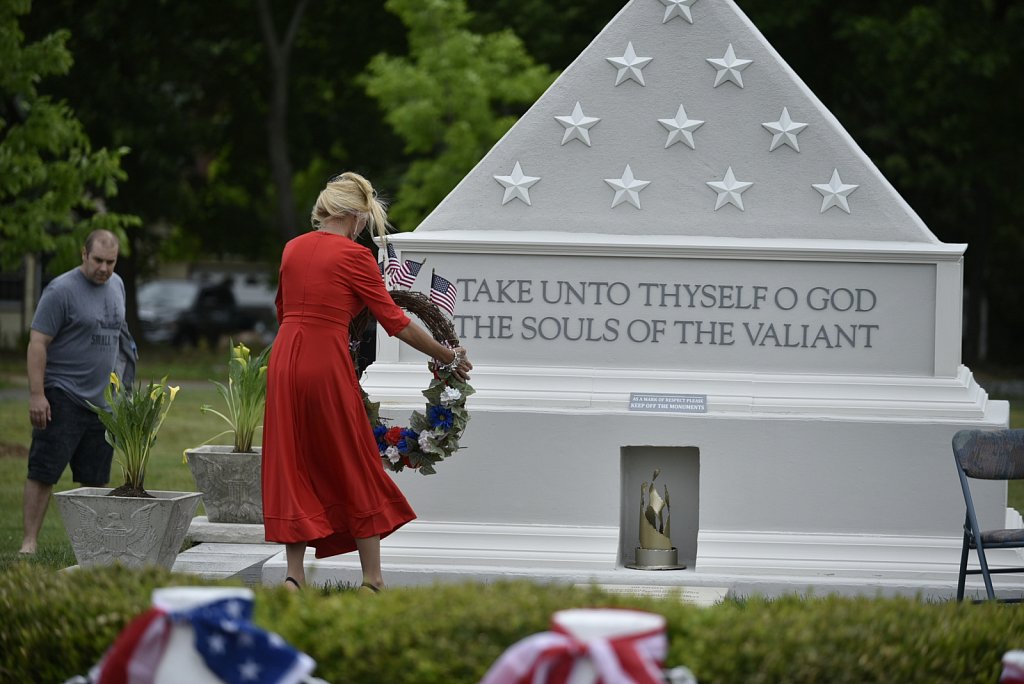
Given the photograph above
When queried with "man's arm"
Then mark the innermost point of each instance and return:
(38, 406)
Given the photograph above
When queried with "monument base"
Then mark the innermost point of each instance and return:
(656, 559)
(423, 553)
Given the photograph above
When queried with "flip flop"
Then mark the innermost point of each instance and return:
(293, 581)
(367, 588)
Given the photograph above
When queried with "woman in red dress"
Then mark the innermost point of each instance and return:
(323, 482)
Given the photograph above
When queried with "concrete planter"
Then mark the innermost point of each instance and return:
(230, 482)
(133, 531)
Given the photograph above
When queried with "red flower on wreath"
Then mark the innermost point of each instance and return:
(394, 435)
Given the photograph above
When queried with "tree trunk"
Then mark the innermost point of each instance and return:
(279, 53)
(976, 276)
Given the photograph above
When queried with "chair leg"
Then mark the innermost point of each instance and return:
(984, 572)
(962, 579)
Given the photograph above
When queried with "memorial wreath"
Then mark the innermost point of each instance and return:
(434, 435)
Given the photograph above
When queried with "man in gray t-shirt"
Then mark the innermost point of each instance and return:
(78, 336)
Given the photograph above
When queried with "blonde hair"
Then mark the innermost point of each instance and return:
(350, 193)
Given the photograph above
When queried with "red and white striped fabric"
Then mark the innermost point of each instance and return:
(1013, 668)
(135, 655)
(551, 657)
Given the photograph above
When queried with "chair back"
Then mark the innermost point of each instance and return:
(990, 455)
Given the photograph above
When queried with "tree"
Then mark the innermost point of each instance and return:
(554, 33)
(450, 99)
(279, 51)
(52, 183)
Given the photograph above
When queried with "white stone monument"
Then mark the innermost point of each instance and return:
(678, 259)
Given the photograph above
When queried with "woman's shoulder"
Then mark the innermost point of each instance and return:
(354, 250)
(341, 247)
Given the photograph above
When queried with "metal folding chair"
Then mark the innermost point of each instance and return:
(987, 455)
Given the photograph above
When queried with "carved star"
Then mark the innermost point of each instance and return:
(729, 68)
(785, 131)
(681, 128)
(729, 190)
(627, 188)
(577, 126)
(677, 8)
(517, 185)
(834, 193)
(629, 65)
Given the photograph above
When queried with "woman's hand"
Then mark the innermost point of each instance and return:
(464, 366)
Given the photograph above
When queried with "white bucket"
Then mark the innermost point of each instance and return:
(181, 661)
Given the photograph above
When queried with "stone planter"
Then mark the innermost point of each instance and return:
(230, 482)
(133, 531)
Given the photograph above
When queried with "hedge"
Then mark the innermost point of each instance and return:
(56, 625)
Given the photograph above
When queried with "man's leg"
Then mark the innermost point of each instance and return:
(48, 456)
(37, 498)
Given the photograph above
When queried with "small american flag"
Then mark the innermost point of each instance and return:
(406, 274)
(390, 265)
(443, 293)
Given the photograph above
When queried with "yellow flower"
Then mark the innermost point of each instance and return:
(174, 390)
(115, 381)
(155, 392)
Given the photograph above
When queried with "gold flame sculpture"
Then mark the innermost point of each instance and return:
(655, 530)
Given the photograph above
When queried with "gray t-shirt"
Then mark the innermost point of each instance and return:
(85, 321)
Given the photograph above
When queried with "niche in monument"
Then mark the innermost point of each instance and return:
(680, 473)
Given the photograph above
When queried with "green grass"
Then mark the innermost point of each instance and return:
(185, 427)
(179, 364)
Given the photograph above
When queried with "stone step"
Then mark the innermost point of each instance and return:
(227, 560)
(422, 553)
(202, 530)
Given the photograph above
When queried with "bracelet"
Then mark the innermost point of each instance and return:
(451, 365)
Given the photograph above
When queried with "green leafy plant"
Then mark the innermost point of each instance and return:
(132, 424)
(245, 396)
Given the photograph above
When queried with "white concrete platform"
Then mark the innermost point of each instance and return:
(693, 586)
(423, 553)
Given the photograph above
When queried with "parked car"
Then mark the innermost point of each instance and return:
(183, 312)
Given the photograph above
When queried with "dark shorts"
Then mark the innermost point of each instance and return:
(75, 435)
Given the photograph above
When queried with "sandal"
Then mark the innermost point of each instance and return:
(293, 581)
(367, 588)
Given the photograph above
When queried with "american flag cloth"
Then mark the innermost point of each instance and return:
(406, 274)
(443, 293)
(233, 649)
